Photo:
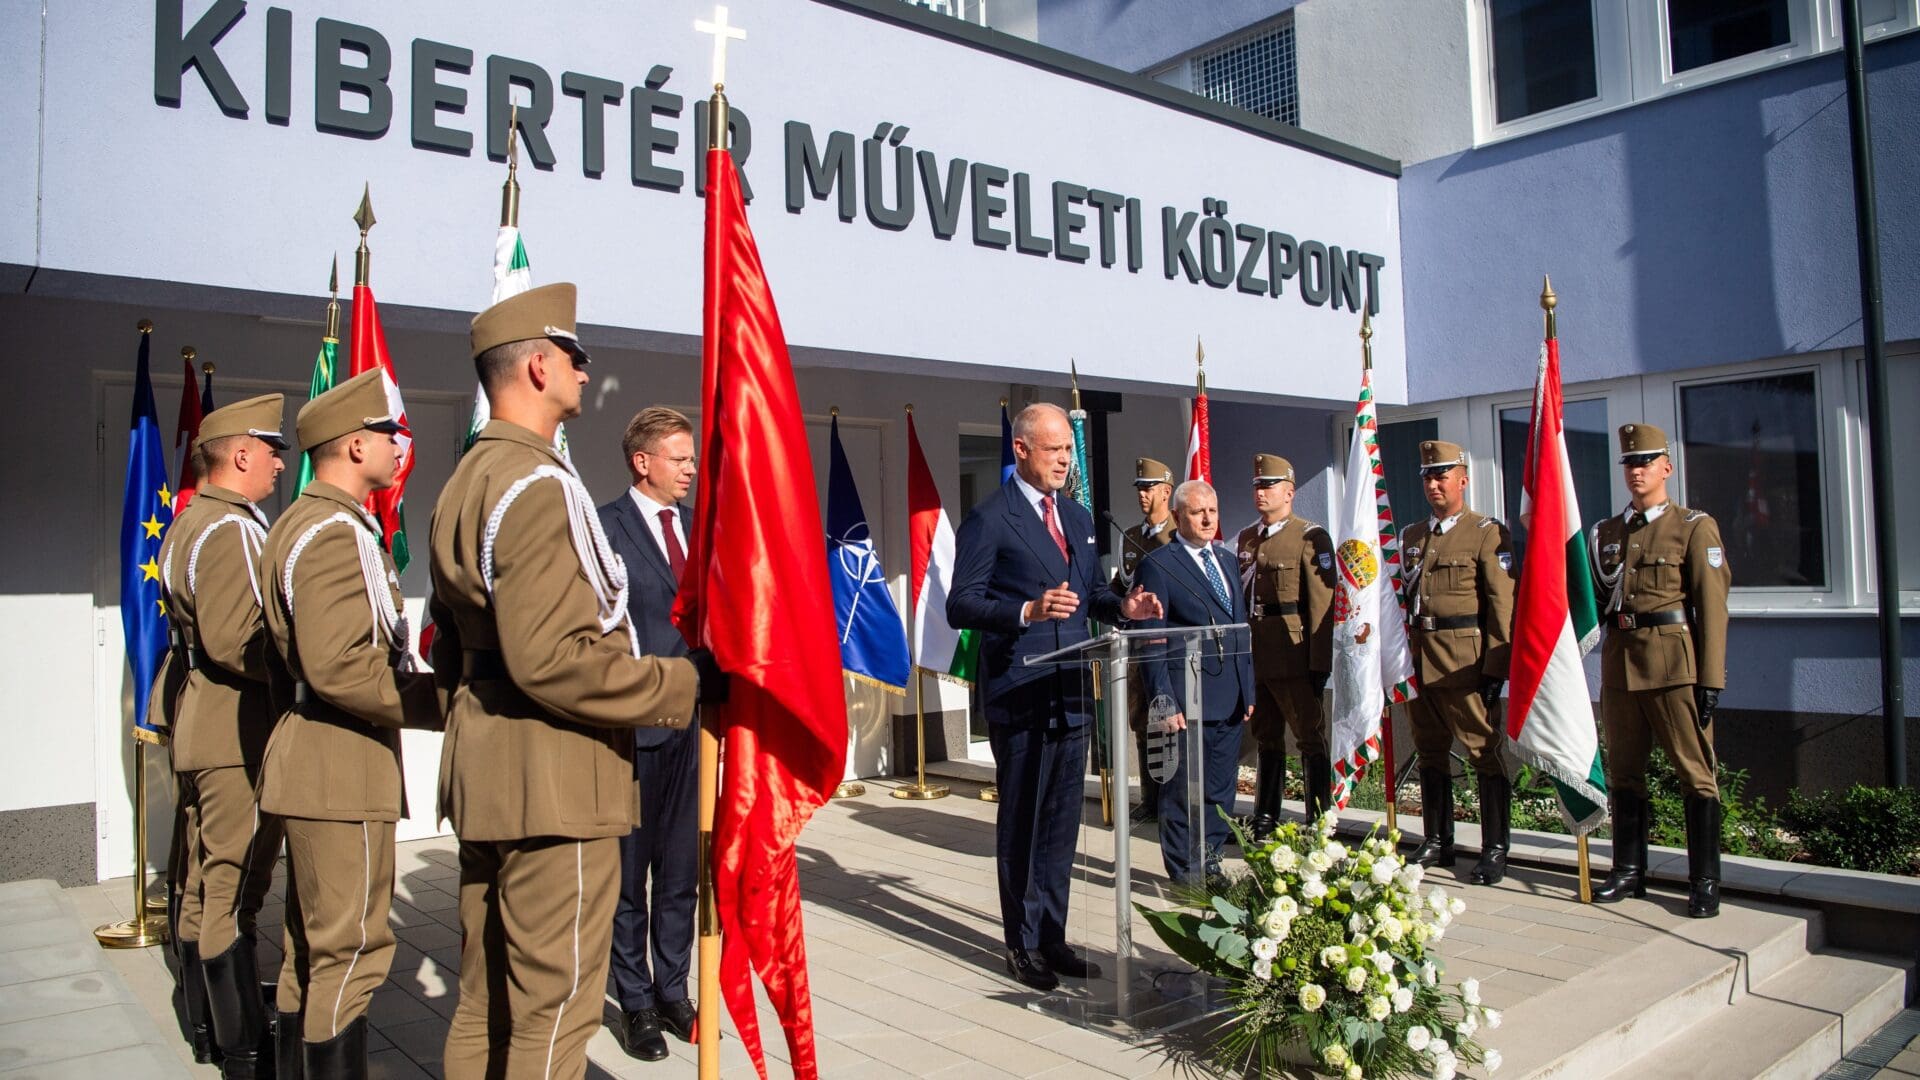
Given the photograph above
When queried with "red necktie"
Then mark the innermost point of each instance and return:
(1053, 527)
(676, 555)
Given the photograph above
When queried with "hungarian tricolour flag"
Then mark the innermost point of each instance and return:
(937, 646)
(370, 351)
(326, 372)
(1199, 442)
(1372, 661)
(756, 594)
(196, 401)
(1549, 714)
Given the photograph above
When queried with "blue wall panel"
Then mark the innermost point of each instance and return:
(1135, 34)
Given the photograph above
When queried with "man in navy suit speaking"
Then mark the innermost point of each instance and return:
(1201, 580)
(653, 926)
(1027, 576)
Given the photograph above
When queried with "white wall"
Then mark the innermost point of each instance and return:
(1386, 75)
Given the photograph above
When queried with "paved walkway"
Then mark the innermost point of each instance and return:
(903, 940)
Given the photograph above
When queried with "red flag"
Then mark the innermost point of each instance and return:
(193, 409)
(1199, 447)
(369, 350)
(756, 593)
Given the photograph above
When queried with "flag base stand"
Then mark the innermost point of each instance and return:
(147, 927)
(850, 789)
(921, 792)
(990, 793)
(1106, 797)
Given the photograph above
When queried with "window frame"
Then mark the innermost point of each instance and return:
(1632, 62)
(1178, 72)
(1622, 397)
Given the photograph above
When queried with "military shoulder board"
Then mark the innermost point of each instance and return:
(1489, 522)
(1695, 515)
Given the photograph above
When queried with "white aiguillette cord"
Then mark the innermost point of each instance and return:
(606, 571)
(385, 614)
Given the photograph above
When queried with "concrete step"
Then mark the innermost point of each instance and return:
(1790, 1027)
(1656, 992)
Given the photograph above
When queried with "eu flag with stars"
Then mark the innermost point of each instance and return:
(145, 512)
(873, 639)
(1006, 445)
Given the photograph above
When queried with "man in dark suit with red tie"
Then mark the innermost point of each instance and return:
(653, 924)
(1027, 576)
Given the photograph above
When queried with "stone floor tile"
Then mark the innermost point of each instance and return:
(47, 961)
(394, 1065)
(914, 1055)
(145, 1062)
(1007, 1053)
(61, 994)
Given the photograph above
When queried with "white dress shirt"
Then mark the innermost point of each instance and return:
(650, 513)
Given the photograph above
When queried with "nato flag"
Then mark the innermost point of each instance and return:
(873, 639)
(145, 512)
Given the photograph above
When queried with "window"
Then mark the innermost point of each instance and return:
(1702, 32)
(1751, 449)
(1400, 457)
(1543, 55)
(1903, 384)
(1254, 72)
(1589, 450)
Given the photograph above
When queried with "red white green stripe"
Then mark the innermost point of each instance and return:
(1372, 658)
(937, 646)
(1555, 621)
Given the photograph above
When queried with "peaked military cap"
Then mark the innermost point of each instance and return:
(1437, 455)
(360, 402)
(1641, 443)
(545, 312)
(256, 416)
(1271, 469)
(1148, 472)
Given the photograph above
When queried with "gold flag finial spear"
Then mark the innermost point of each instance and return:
(207, 369)
(333, 301)
(510, 191)
(363, 217)
(1200, 367)
(145, 326)
(1074, 371)
(187, 353)
(1548, 301)
(1366, 340)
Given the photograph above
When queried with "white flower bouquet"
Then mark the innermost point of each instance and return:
(1325, 948)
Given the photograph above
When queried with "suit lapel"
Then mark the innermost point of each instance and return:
(1199, 578)
(1033, 533)
(641, 537)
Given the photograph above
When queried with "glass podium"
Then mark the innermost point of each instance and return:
(1143, 988)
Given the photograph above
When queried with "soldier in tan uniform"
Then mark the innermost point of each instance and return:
(1153, 483)
(212, 593)
(1286, 565)
(1459, 568)
(344, 683)
(1661, 578)
(535, 646)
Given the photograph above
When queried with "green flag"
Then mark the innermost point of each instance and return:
(323, 373)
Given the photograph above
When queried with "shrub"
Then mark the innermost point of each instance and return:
(1861, 828)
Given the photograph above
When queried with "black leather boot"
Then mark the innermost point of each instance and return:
(1703, 857)
(1629, 874)
(288, 1054)
(343, 1057)
(239, 1014)
(1496, 830)
(193, 989)
(1268, 793)
(1436, 819)
(1319, 797)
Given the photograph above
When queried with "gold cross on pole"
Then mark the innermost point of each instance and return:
(721, 32)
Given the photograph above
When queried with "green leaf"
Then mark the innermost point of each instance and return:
(1179, 930)
(1227, 943)
(1233, 915)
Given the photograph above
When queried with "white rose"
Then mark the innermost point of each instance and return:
(1470, 991)
(1312, 996)
(1314, 889)
(1357, 924)
(1440, 1048)
(1490, 1017)
(1356, 979)
(1417, 1038)
(1382, 872)
(1456, 906)
(1493, 1061)
(1381, 912)
(1382, 961)
(1279, 933)
(1445, 1067)
(1445, 919)
(1402, 1000)
(1284, 858)
(1333, 956)
(1418, 934)
(1392, 930)
(1410, 876)
(1430, 973)
(1379, 1008)
(1265, 948)
(1468, 1025)
(1263, 967)
(1437, 899)
(1287, 906)
(1354, 1072)
(1319, 861)
(1274, 925)
(1435, 933)
(1335, 1055)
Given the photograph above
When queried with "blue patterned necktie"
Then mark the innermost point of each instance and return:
(1214, 579)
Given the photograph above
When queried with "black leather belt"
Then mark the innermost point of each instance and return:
(1268, 611)
(482, 665)
(302, 693)
(1444, 622)
(1635, 620)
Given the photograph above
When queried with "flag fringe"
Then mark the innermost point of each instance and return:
(868, 680)
(1581, 786)
(945, 677)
